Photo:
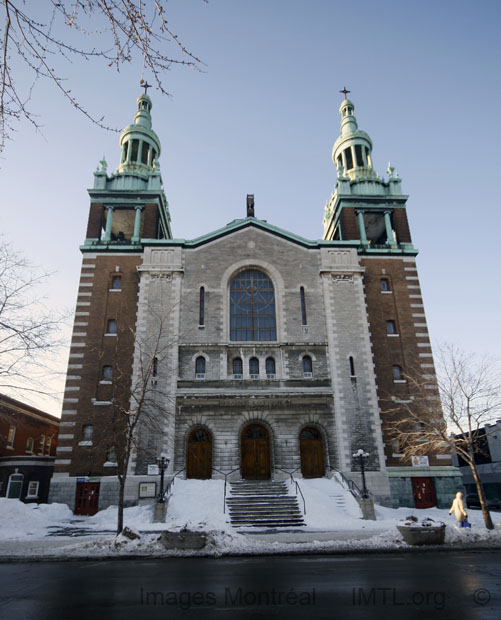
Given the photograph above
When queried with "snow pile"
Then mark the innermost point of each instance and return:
(27, 520)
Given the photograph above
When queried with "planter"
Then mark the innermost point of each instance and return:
(422, 535)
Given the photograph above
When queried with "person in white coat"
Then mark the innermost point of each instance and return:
(458, 509)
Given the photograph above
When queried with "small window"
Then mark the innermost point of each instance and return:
(391, 328)
(307, 367)
(201, 314)
(116, 283)
(254, 368)
(237, 368)
(32, 489)
(107, 374)
(358, 155)
(11, 436)
(15, 486)
(352, 367)
(30, 444)
(144, 153)
(154, 368)
(303, 306)
(135, 149)
(397, 373)
(385, 285)
(349, 159)
(111, 327)
(48, 444)
(200, 367)
(87, 432)
(41, 444)
(270, 368)
(111, 456)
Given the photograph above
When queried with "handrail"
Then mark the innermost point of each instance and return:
(172, 480)
(352, 486)
(293, 480)
(225, 474)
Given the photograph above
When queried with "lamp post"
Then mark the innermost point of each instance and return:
(163, 463)
(361, 455)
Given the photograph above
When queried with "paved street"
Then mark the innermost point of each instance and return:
(463, 584)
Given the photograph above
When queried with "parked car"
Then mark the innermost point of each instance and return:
(473, 501)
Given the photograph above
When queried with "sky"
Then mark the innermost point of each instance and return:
(262, 117)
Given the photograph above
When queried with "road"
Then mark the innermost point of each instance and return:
(463, 585)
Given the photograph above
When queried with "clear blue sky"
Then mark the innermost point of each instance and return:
(262, 119)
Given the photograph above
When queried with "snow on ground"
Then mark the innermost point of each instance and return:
(333, 523)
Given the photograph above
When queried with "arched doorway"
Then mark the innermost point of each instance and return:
(255, 453)
(199, 454)
(312, 453)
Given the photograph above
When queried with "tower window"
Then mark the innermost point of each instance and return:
(107, 374)
(397, 373)
(254, 368)
(349, 158)
(200, 367)
(116, 283)
(201, 312)
(111, 327)
(145, 151)
(303, 306)
(270, 368)
(237, 368)
(125, 151)
(252, 307)
(358, 155)
(385, 284)
(391, 328)
(352, 367)
(154, 368)
(307, 367)
(88, 429)
(135, 149)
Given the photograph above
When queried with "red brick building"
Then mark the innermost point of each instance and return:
(28, 441)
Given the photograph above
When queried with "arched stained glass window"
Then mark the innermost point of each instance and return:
(252, 307)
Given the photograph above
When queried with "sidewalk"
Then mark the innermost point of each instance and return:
(255, 543)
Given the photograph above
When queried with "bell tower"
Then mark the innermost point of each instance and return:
(368, 213)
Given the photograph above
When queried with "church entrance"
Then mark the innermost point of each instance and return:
(255, 453)
(312, 453)
(199, 454)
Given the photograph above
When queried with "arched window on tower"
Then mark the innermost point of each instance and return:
(200, 367)
(252, 307)
(307, 367)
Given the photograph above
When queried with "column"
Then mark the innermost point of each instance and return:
(389, 230)
(137, 225)
(361, 226)
(109, 218)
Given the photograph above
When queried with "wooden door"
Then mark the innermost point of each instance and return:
(255, 453)
(199, 456)
(87, 498)
(312, 453)
(423, 490)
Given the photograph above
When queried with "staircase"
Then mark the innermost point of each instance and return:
(263, 503)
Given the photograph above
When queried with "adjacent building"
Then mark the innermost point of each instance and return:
(28, 441)
(268, 353)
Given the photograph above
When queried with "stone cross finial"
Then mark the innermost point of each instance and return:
(145, 85)
(345, 92)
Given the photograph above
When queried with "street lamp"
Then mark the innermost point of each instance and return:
(163, 463)
(361, 455)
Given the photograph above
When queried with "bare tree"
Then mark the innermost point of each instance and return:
(469, 396)
(37, 37)
(29, 332)
(139, 404)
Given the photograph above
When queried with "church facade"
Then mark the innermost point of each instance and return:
(258, 353)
